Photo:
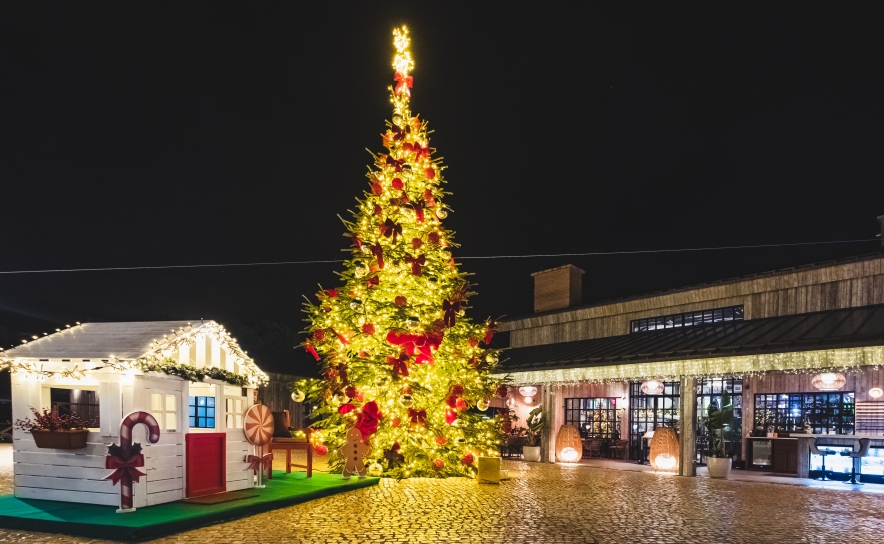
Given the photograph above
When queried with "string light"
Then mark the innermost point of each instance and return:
(156, 354)
(833, 360)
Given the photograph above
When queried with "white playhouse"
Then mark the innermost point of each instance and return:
(107, 371)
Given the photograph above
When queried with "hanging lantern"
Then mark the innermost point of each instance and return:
(829, 381)
(569, 448)
(664, 449)
(876, 392)
(653, 386)
(528, 391)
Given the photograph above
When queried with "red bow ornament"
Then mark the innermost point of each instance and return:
(416, 263)
(396, 164)
(124, 462)
(450, 309)
(399, 133)
(418, 208)
(418, 150)
(400, 364)
(378, 253)
(404, 83)
(489, 332)
(372, 281)
(390, 228)
(422, 344)
(311, 350)
(257, 462)
(368, 419)
(418, 417)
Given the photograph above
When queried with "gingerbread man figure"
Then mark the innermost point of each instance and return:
(353, 452)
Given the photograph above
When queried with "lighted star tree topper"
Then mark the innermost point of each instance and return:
(400, 361)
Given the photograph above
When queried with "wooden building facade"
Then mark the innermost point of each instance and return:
(763, 338)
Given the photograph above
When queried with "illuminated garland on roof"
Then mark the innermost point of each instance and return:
(834, 360)
(158, 359)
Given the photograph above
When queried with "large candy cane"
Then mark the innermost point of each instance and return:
(153, 437)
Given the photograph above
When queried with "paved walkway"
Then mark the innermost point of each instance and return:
(741, 476)
(557, 504)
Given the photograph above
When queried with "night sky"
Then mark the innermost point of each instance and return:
(183, 134)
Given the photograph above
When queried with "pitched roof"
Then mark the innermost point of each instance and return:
(877, 254)
(850, 327)
(123, 340)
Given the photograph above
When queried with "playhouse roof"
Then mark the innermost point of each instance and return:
(126, 340)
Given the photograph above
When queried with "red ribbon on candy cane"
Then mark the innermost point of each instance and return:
(126, 458)
(257, 462)
(124, 466)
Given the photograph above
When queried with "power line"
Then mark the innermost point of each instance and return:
(538, 255)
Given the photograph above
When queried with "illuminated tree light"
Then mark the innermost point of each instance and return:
(402, 275)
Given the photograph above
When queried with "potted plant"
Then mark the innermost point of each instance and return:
(531, 450)
(718, 422)
(59, 431)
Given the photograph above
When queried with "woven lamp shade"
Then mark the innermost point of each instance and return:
(569, 448)
(664, 449)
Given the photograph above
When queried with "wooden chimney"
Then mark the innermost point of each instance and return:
(881, 224)
(557, 288)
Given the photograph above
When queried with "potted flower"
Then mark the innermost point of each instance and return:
(531, 450)
(718, 422)
(59, 431)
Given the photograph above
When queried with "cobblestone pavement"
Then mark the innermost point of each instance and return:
(556, 504)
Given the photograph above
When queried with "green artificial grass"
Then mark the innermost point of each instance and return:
(152, 521)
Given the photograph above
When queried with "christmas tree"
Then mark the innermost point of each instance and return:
(399, 359)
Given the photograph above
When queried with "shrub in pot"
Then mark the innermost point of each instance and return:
(58, 431)
(718, 422)
(531, 450)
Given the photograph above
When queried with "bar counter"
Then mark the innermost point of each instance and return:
(791, 454)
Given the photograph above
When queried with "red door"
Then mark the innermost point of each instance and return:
(206, 461)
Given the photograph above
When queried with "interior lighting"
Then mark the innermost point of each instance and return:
(528, 391)
(829, 381)
(569, 455)
(568, 444)
(653, 386)
(529, 400)
(665, 461)
(876, 392)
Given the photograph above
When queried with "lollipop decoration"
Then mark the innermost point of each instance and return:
(126, 458)
(258, 428)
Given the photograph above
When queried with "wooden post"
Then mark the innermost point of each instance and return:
(547, 438)
(688, 419)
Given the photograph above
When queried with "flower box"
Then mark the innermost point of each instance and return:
(60, 440)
